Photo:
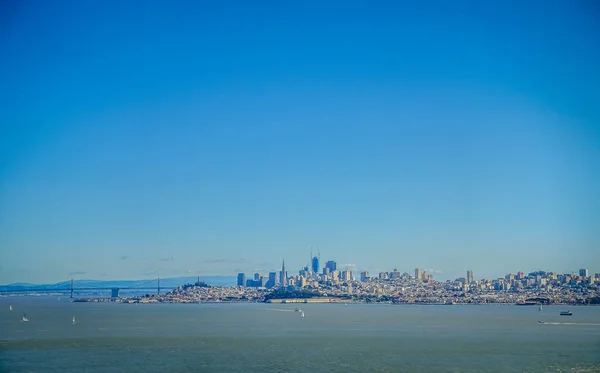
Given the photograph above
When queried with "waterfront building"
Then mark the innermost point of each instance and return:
(583, 272)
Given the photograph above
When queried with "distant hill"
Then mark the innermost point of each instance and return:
(165, 283)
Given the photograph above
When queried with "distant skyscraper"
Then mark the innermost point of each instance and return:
(469, 276)
(347, 275)
(283, 275)
(583, 272)
(241, 279)
(364, 276)
(256, 276)
(395, 274)
(418, 273)
(335, 275)
(332, 265)
(272, 280)
(520, 275)
(315, 264)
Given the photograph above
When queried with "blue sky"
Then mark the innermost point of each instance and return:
(147, 139)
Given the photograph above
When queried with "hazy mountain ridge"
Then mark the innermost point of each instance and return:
(165, 283)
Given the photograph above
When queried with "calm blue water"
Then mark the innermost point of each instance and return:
(111, 337)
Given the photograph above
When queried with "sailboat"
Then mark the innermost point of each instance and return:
(73, 319)
(10, 307)
(540, 308)
(302, 315)
(25, 319)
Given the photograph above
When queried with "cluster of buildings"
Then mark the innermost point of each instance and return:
(308, 276)
(312, 275)
(396, 287)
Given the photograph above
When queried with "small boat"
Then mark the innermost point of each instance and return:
(566, 313)
(539, 309)
(10, 307)
(345, 304)
(73, 319)
(302, 315)
(541, 322)
(298, 310)
(25, 319)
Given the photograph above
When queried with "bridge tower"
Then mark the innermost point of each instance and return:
(72, 288)
(158, 283)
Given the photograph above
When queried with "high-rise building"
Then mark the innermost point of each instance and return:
(520, 275)
(583, 272)
(332, 265)
(256, 276)
(272, 280)
(418, 273)
(364, 276)
(335, 275)
(469, 276)
(395, 274)
(241, 279)
(326, 271)
(283, 275)
(301, 282)
(263, 281)
(347, 275)
(315, 264)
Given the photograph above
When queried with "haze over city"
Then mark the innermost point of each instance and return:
(232, 137)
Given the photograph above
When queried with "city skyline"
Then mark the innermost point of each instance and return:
(235, 135)
(356, 270)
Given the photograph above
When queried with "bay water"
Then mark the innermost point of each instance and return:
(249, 337)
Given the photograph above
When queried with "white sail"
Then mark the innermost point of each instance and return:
(302, 314)
(25, 319)
(10, 307)
(73, 319)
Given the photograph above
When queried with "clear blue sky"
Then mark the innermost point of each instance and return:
(146, 139)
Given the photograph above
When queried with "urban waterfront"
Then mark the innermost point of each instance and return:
(111, 337)
(332, 285)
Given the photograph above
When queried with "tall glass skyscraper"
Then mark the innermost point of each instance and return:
(315, 264)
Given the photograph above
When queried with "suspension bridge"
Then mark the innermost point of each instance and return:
(73, 287)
